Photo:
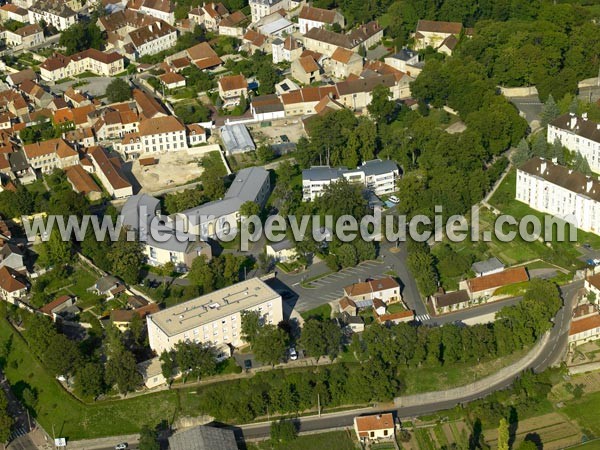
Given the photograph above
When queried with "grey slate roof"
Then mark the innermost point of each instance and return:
(247, 184)
(286, 244)
(404, 55)
(136, 204)
(106, 282)
(451, 298)
(216, 208)
(323, 173)
(236, 138)
(203, 438)
(378, 167)
(487, 266)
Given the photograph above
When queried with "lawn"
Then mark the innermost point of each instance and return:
(585, 412)
(594, 445)
(450, 376)
(77, 284)
(75, 420)
(322, 312)
(340, 440)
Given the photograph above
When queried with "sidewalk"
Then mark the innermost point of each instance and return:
(101, 443)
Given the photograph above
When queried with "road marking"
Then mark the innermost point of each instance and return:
(423, 318)
(295, 284)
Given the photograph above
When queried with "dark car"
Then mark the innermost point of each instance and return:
(247, 364)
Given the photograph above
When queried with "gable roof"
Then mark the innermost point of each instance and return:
(47, 309)
(433, 26)
(317, 14)
(496, 280)
(343, 55)
(233, 82)
(570, 180)
(308, 64)
(203, 438)
(160, 125)
(364, 424)
(81, 180)
(108, 168)
(10, 280)
(594, 280)
(451, 298)
(367, 287)
(584, 324)
(578, 125)
(58, 146)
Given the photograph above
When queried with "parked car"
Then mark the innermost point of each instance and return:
(394, 199)
(247, 364)
(293, 354)
(121, 446)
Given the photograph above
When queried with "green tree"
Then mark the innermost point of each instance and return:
(346, 255)
(549, 112)
(381, 107)
(320, 338)
(167, 365)
(57, 252)
(127, 259)
(213, 184)
(62, 355)
(148, 439)
(265, 153)
(6, 420)
(118, 91)
(196, 360)
(503, 435)
(521, 153)
(89, 380)
(283, 431)
(121, 371)
(270, 345)
(251, 324)
(249, 209)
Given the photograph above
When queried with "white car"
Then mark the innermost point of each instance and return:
(121, 446)
(394, 199)
(293, 354)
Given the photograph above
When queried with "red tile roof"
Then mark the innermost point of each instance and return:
(585, 324)
(496, 280)
(47, 309)
(374, 422)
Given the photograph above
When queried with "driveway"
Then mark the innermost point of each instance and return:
(530, 107)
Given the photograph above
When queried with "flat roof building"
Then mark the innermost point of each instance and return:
(214, 318)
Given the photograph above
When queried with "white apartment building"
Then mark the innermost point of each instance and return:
(49, 155)
(557, 190)
(214, 318)
(285, 50)
(27, 36)
(59, 66)
(210, 219)
(262, 8)
(310, 17)
(579, 135)
(378, 176)
(157, 135)
(153, 38)
(108, 172)
(57, 14)
(161, 9)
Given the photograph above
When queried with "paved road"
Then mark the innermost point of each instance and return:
(530, 106)
(551, 354)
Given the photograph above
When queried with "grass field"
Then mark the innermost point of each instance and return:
(76, 420)
(322, 312)
(340, 440)
(586, 412)
(433, 379)
(594, 445)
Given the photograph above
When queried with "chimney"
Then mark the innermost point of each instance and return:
(589, 184)
(573, 122)
(584, 116)
(554, 160)
(543, 166)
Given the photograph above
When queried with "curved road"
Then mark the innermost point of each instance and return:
(551, 353)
